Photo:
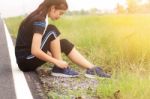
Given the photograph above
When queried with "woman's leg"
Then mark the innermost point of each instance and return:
(92, 71)
(77, 58)
(55, 48)
(52, 44)
(69, 49)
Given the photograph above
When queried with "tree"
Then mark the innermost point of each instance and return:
(93, 10)
(148, 5)
(132, 6)
(120, 9)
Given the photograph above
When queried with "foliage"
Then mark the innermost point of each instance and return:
(118, 43)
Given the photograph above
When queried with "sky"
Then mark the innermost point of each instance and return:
(18, 7)
(99, 4)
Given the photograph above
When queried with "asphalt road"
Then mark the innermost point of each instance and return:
(6, 79)
(7, 88)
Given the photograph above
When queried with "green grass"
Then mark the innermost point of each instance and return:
(120, 43)
(130, 86)
(13, 25)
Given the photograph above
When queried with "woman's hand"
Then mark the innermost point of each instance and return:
(61, 64)
(49, 53)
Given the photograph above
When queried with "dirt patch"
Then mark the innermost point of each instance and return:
(67, 88)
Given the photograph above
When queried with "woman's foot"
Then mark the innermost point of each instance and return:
(96, 72)
(67, 72)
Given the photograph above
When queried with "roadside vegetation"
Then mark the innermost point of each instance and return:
(118, 43)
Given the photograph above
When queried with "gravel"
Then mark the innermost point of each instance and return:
(67, 88)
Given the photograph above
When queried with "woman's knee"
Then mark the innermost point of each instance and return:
(51, 26)
(66, 46)
(53, 29)
(51, 32)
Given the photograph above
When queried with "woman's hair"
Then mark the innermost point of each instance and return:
(42, 10)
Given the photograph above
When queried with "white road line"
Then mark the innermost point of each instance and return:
(21, 86)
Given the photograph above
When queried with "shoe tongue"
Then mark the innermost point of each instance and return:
(98, 69)
(67, 69)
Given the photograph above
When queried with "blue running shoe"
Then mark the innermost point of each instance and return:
(67, 72)
(96, 71)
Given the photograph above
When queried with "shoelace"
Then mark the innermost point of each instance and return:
(100, 72)
(67, 70)
(98, 69)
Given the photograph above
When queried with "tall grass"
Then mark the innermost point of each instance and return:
(13, 25)
(126, 85)
(120, 43)
(110, 40)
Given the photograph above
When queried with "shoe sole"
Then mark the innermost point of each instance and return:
(63, 75)
(93, 76)
(90, 76)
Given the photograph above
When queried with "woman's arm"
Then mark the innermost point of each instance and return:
(36, 51)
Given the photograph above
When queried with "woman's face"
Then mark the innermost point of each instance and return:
(55, 14)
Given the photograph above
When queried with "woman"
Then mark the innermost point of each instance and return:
(38, 43)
